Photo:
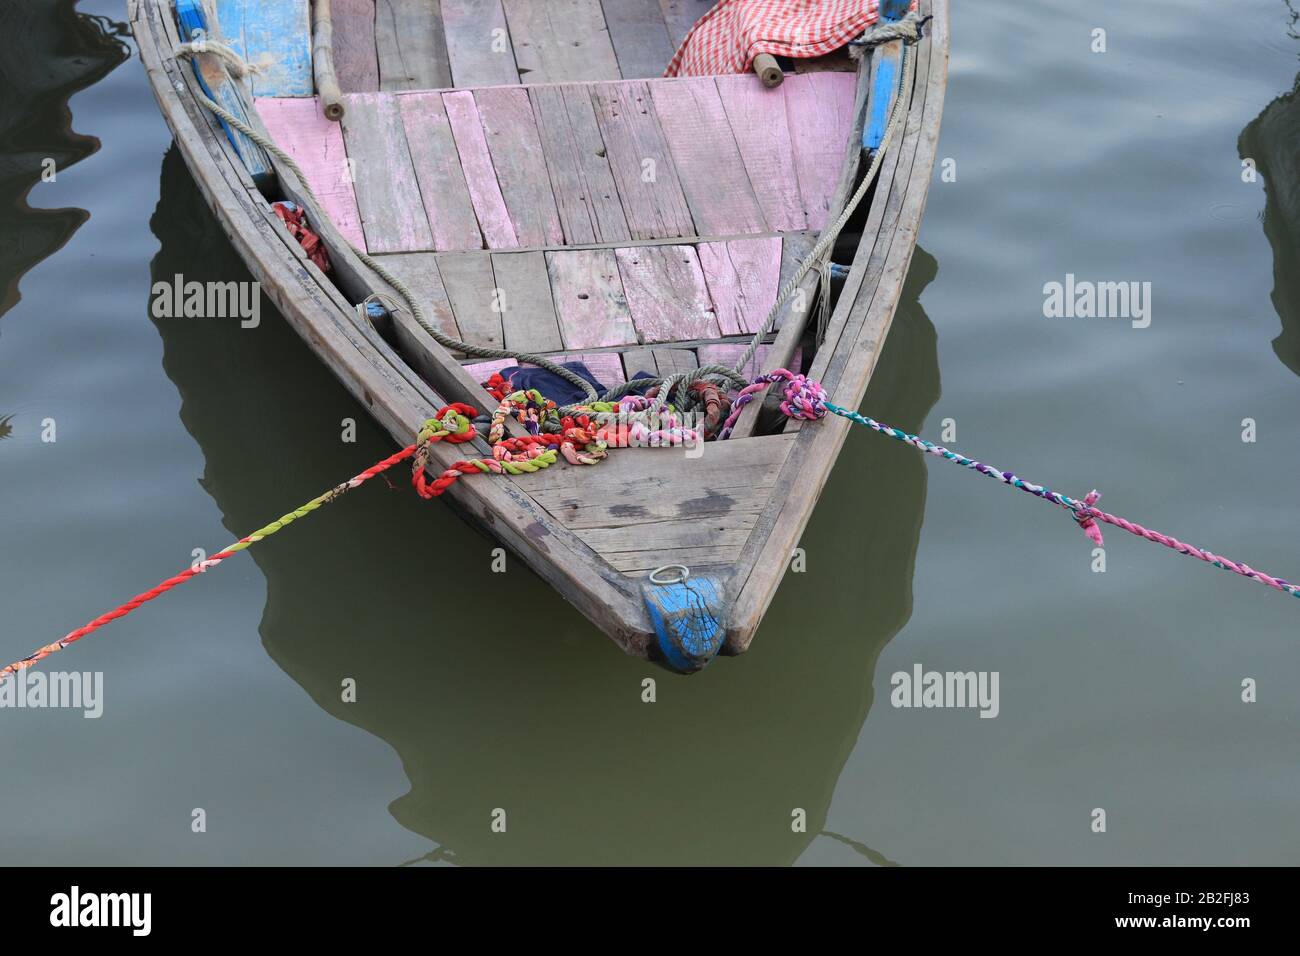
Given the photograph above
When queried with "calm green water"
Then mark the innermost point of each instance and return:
(1119, 690)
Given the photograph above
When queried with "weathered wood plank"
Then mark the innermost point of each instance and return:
(640, 37)
(275, 36)
(742, 277)
(604, 365)
(658, 361)
(528, 317)
(471, 287)
(300, 129)
(480, 175)
(585, 192)
(707, 540)
(820, 109)
(516, 150)
(388, 195)
(356, 56)
(589, 299)
(680, 15)
(478, 43)
(728, 353)
(641, 161)
(675, 361)
(758, 118)
(411, 45)
(436, 162)
(795, 247)
(666, 293)
(419, 272)
(707, 159)
(561, 41)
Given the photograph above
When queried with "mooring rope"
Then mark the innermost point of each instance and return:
(806, 399)
(907, 29)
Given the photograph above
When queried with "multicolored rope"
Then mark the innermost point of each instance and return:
(452, 424)
(807, 400)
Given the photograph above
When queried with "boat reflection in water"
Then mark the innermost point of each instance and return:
(493, 691)
(1272, 141)
(48, 53)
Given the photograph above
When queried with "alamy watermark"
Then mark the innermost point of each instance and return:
(922, 688)
(65, 690)
(207, 300)
(1084, 299)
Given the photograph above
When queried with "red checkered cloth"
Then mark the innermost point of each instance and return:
(728, 37)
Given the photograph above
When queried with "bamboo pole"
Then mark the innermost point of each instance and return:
(322, 61)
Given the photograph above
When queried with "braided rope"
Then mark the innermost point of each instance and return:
(451, 424)
(806, 399)
(828, 236)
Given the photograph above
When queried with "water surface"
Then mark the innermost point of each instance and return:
(1119, 690)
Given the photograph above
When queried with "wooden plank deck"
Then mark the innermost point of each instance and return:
(652, 197)
(438, 172)
(478, 43)
(388, 194)
(356, 54)
(708, 161)
(640, 37)
(589, 299)
(561, 41)
(520, 164)
(411, 45)
(666, 294)
(585, 192)
(316, 145)
(742, 276)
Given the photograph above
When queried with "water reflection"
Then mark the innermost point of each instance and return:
(1272, 140)
(48, 52)
(493, 691)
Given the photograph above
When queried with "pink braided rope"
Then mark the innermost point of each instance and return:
(804, 398)
(1087, 513)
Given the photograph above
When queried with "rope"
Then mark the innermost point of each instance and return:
(805, 399)
(452, 424)
(583, 440)
(829, 235)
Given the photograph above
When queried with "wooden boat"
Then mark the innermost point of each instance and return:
(522, 167)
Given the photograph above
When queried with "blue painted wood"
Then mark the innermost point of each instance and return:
(217, 84)
(689, 619)
(886, 82)
(275, 36)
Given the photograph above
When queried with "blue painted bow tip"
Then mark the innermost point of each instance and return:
(689, 618)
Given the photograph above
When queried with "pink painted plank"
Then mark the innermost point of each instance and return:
(437, 168)
(708, 161)
(758, 120)
(606, 366)
(480, 176)
(820, 111)
(666, 293)
(589, 299)
(516, 150)
(388, 196)
(728, 353)
(742, 276)
(300, 128)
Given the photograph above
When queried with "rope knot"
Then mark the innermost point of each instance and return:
(804, 399)
(1085, 517)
